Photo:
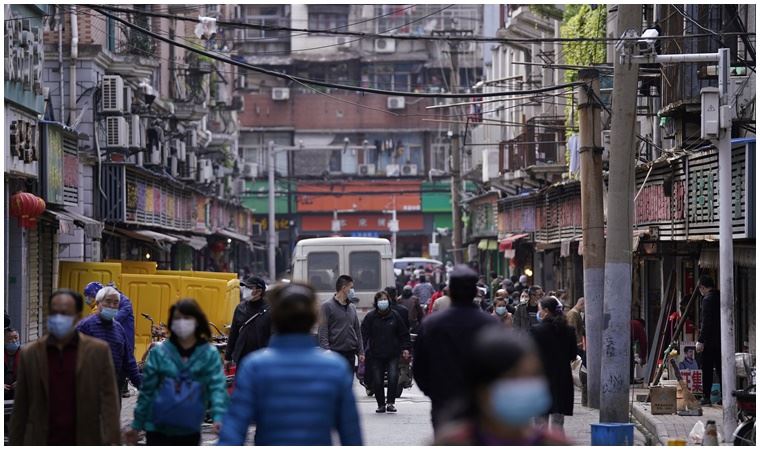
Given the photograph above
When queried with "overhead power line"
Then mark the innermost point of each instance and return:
(298, 79)
(444, 38)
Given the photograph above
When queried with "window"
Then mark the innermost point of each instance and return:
(323, 270)
(328, 17)
(364, 268)
(111, 35)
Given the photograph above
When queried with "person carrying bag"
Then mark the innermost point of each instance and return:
(181, 376)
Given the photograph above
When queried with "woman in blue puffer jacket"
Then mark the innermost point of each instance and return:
(187, 352)
(293, 391)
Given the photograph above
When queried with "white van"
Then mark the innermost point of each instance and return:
(369, 261)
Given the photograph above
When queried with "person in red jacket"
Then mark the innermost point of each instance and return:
(436, 295)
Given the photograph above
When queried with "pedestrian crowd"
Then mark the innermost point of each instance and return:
(494, 358)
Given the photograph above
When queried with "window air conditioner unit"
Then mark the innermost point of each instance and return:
(409, 170)
(366, 169)
(250, 170)
(279, 94)
(385, 45)
(392, 170)
(134, 131)
(116, 132)
(344, 43)
(112, 96)
(396, 103)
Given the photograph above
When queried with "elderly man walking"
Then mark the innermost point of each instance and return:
(103, 326)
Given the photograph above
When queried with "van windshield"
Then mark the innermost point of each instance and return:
(364, 268)
(323, 270)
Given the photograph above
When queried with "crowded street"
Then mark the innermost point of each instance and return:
(310, 224)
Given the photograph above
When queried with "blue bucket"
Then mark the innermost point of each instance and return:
(611, 434)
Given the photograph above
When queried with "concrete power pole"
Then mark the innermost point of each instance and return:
(456, 164)
(592, 217)
(272, 240)
(616, 337)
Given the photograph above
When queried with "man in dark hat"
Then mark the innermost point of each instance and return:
(251, 323)
(445, 340)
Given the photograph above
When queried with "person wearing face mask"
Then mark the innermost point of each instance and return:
(186, 355)
(65, 387)
(386, 338)
(525, 314)
(507, 390)
(251, 323)
(104, 326)
(412, 303)
(12, 346)
(396, 306)
(339, 328)
(125, 316)
(557, 348)
(501, 312)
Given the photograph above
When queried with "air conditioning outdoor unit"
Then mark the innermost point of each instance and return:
(344, 43)
(409, 169)
(279, 93)
(392, 170)
(396, 103)
(385, 45)
(140, 159)
(174, 164)
(250, 170)
(112, 95)
(134, 131)
(116, 132)
(182, 153)
(366, 169)
(127, 99)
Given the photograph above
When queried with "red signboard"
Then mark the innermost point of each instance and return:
(360, 196)
(363, 222)
(653, 206)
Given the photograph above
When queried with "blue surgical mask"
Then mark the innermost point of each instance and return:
(515, 402)
(351, 293)
(60, 325)
(538, 316)
(501, 310)
(108, 313)
(383, 304)
(12, 346)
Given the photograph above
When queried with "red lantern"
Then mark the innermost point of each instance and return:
(27, 208)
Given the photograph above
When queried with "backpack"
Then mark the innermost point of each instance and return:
(179, 402)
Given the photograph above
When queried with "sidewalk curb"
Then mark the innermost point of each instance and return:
(655, 427)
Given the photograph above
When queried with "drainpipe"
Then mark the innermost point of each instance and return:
(73, 66)
(60, 62)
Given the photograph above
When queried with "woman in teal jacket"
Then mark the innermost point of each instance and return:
(186, 349)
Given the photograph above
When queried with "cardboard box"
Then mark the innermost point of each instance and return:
(663, 399)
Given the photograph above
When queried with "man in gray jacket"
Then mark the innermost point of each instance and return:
(339, 328)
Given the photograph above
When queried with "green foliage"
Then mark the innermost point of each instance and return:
(549, 11)
(580, 21)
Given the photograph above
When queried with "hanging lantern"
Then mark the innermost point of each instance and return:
(27, 208)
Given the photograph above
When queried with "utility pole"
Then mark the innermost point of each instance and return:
(717, 116)
(456, 150)
(592, 217)
(272, 241)
(616, 347)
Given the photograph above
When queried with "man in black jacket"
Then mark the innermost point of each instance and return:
(709, 334)
(386, 338)
(444, 344)
(251, 322)
(397, 307)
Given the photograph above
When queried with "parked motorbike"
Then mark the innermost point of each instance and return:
(745, 433)
(158, 334)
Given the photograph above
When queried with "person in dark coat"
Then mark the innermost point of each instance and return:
(251, 323)
(557, 348)
(444, 343)
(386, 338)
(396, 306)
(708, 342)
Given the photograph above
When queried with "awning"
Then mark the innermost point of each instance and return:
(233, 235)
(197, 243)
(508, 242)
(149, 236)
(709, 258)
(636, 236)
(67, 218)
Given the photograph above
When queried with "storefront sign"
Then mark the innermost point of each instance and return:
(52, 175)
(364, 222)
(279, 224)
(653, 206)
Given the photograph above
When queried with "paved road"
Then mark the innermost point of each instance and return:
(410, 426)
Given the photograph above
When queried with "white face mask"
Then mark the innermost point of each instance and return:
(183, 328)
(246, 292)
